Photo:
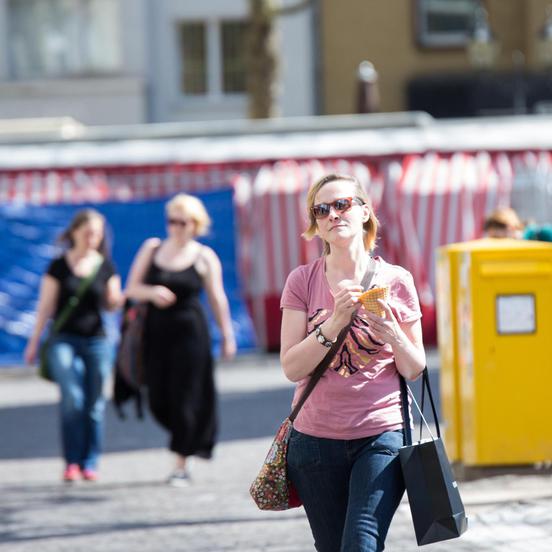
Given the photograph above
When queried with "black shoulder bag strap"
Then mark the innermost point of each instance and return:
(74, 300)
(325, 362)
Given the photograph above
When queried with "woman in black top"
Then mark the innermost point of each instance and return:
(170, 275)
(80, 357)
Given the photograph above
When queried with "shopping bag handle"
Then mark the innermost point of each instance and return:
(405, 411)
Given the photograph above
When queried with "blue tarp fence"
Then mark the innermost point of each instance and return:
(28, 236)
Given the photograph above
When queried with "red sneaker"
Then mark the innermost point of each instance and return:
(71, 473)
(89, 475)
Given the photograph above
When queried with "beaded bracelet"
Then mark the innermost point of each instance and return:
(322, 339)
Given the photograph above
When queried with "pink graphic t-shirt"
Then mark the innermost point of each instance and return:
(359, 394)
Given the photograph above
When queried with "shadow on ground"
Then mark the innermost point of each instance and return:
(91, 529)
(32, 431)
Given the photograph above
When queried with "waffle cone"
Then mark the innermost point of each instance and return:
(369, 300)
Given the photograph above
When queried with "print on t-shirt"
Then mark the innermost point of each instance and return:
(357, 349)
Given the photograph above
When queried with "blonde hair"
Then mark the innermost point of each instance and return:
(193, 208)
(370, 226)
(503, 218)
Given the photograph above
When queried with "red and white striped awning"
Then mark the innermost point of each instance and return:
(101, 184)
(422, 200)
(435, 199)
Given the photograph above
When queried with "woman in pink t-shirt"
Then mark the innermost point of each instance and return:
(343, 451)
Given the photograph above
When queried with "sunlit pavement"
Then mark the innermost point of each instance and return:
(132, 508)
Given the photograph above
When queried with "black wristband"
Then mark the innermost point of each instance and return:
(321, 338)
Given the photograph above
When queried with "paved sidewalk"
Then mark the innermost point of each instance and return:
(131, 508)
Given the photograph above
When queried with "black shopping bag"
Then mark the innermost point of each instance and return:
(437, 510)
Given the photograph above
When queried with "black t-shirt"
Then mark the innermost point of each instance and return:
(86, 318)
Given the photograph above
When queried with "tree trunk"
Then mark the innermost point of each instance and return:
(262, 55)
(261, 60)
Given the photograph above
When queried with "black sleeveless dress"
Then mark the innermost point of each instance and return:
(179, 364)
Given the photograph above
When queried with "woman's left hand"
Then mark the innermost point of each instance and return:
(387, 329)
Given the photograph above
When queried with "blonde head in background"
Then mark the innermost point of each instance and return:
(191, 208)
(503, 223)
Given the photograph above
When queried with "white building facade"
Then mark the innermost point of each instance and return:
(107, 62)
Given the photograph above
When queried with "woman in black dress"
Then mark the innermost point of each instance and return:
(170, 275)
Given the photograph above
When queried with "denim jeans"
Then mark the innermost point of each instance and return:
(350, 488)
(81, 367)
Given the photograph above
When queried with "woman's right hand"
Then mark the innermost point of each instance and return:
(162, 297)
(346, 302)
(30, 352)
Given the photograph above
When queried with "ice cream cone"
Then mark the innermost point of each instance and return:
(369, 300)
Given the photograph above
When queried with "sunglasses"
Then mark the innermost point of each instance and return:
(177, 222)
(322, 210)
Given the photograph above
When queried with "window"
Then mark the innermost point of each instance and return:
(212, 57)
(444, 23)
(56, 38)
(194, 55)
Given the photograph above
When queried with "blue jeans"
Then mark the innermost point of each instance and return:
(81, 367)
(350, 489)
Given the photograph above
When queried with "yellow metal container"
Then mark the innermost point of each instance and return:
(448, 258)
(447, 289)
(496, 351)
